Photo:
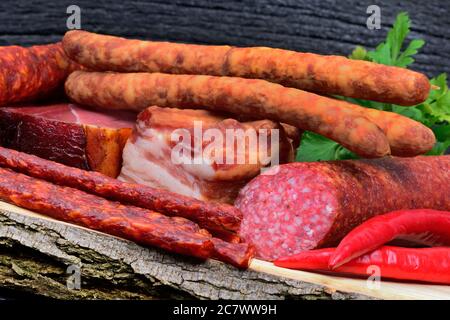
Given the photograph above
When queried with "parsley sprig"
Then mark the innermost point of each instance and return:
(434, 112)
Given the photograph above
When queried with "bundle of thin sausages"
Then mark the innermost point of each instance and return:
(218, 218)
(216, 78)
(81, 197)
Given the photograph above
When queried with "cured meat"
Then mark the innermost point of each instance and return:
(303, 206)
(69, 134)
(71, 205)
(407, 137)
(187, 152)
(146, 227)
(294, 134)
(30, 73)
(257, 99)
(236, 254)
(221, 219)
(307, 71)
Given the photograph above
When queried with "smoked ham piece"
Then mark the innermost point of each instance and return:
(170, 149)
(69, 134)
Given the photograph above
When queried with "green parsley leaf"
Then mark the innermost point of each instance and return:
(405, 59)
(315, 147)
(396, 36)
(434, 112)
(390, 52)
(442, 133)
(382, 54)
(438, 103)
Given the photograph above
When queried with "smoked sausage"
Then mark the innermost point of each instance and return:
(146, 227)
(221, 219)
(249, 97)
(71, 205)
(312, 72)
(407, 137)
(34, 72)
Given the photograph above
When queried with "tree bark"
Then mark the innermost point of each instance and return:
(38, 256)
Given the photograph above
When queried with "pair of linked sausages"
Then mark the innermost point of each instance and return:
(229, 79)
(257, 83)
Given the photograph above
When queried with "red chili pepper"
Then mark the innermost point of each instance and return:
(424, 226)
(418, 264)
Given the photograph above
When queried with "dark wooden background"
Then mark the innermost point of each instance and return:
(321, 26)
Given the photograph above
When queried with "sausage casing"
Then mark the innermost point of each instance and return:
(34, 72)
(312, 72)
(258, 99)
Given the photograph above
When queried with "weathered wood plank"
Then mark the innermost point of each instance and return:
(35, 254)
(322, 26)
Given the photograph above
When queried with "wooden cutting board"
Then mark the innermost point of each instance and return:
(386, 289)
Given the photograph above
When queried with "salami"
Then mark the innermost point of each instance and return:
(302, 206)
(253, 98)
(221, 219)
(29, 73)
(307, 71)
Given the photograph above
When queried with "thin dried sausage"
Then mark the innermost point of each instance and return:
(221, 219)
(71, 205)
(146, 227)
(29, 73)
(407, 137)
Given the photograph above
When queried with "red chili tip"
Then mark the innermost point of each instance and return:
(339, 257)
(289, 262)
(335, 261)
(282, 262)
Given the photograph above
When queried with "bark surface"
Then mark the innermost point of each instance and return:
(41, 257)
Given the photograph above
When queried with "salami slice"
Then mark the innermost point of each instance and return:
(302, 206)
